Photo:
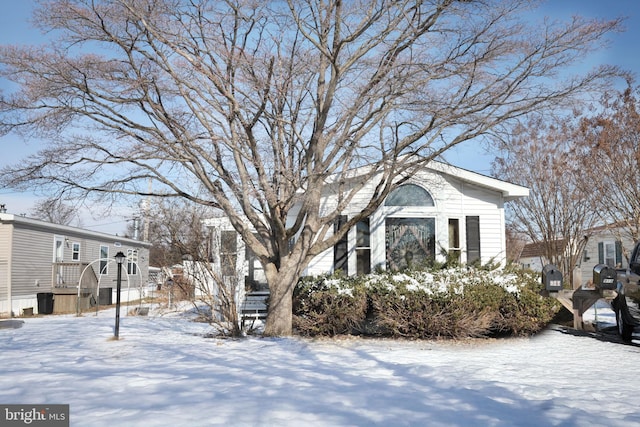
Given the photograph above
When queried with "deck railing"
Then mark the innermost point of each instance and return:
(67, 275)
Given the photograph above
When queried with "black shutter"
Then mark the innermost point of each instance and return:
(340, 250)
(600, 253)
(473, 239)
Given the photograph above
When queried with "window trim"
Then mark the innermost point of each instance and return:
(394, 197)
(132, 261)
(363, 252)
(75, 254)
(104, 260)
(453, 233)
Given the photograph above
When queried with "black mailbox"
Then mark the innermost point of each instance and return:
(604, 277)
(551, 278)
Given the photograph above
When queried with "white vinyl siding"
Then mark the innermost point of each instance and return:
(453, 198)
(28, 272)
(591, 253)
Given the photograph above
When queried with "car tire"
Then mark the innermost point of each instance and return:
(624, 329)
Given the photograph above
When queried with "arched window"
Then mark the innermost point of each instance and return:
(409, 195)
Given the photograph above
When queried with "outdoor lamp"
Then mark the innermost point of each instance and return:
(119, 260)
(120, 257)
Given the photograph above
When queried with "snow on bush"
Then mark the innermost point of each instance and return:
(452, 302)
(439, 281)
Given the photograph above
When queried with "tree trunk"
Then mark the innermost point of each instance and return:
(281, 284)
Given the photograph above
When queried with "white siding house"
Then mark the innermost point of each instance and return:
(75, 265)
(440, 210)
(604, 246)
(532, 257)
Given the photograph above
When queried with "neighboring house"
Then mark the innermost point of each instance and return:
(532, 256)
(441, 210)
(604, 247)
(75, 268)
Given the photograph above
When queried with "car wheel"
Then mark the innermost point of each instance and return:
(624, 329)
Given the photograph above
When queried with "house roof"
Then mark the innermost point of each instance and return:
(606, 227)
(535, 250)
(532, 250)
(508, 190)
(66, 229)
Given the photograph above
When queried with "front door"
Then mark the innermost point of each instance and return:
(410, 242)
(58, 249)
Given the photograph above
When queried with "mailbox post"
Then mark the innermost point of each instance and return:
(578, 300)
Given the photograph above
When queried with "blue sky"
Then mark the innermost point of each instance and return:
(624, 51)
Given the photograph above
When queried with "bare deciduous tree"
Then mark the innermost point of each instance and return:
(541, 155)
(515, 242)
(250, 107)
(57, 212)
(175, 227)
(611, 151)
(179, 236)
(215, 299)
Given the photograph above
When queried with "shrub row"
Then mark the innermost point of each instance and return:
(450, 303)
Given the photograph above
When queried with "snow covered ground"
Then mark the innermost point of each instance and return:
(165, 372)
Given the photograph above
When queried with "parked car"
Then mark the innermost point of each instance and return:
(627, 303)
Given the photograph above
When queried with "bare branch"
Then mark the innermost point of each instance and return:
(258, 108)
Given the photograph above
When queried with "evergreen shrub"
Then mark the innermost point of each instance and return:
(437, 303)
(328, 305)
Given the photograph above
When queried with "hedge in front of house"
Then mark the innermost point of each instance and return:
(328, 305)
(450, 303)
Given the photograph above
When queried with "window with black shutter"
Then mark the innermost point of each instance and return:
(610, 253)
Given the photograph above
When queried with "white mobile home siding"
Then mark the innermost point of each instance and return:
(5, 266)
(590, 256)
(453, 198)
(32, 257)
(489, 206)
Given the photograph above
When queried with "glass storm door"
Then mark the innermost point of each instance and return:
(410, 242)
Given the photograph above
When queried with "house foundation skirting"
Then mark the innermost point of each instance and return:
(18, 306)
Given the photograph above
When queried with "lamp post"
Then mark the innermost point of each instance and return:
(119, 260)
